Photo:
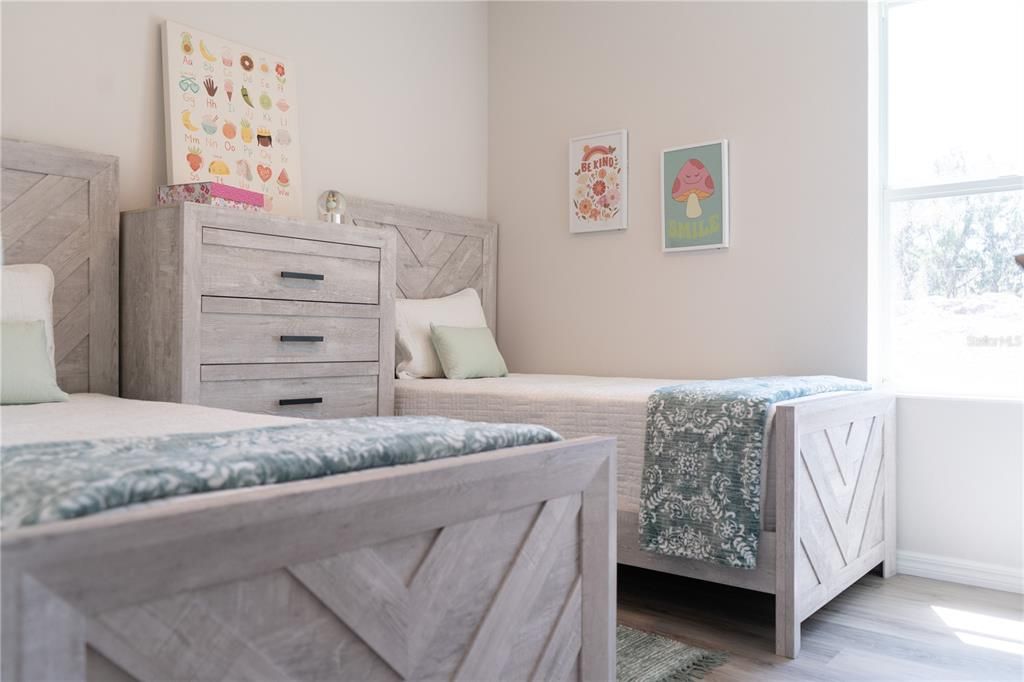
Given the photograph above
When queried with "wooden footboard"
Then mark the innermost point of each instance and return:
(498, 565)
(835, 515)
(835, 502)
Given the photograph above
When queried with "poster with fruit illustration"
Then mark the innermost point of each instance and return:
(695, 197)
(231, 117)
(597, 182)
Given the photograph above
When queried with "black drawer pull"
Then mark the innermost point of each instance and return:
(301, 275)
(308, 339)
(299, 401)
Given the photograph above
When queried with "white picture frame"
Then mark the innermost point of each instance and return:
(599, 182)
(685, 227)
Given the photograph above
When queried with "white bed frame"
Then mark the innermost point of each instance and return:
(835, 515)
(496, 565)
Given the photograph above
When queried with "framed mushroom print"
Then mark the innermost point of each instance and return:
(598, 180)
(695, 197)
(230, 117)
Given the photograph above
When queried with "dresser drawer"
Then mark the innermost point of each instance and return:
(235, 338)
(265, 389)
(251, 265)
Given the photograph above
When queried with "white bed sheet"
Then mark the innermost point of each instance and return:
(92, 415)
(574, 406)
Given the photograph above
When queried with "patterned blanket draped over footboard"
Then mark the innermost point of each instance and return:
(705, 440)
(52, 481)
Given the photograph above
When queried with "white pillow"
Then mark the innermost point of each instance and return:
(27, 296)
(415, 355)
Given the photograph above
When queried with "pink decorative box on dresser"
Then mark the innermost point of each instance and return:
(211, 193)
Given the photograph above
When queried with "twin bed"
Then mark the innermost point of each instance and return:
(828, 512)
(497, 564)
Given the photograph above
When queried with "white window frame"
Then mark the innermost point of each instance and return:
(888, 195)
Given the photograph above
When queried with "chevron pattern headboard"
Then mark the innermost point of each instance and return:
(60, 208)
(438, 253)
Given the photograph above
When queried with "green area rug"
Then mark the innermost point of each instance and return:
(647, 657)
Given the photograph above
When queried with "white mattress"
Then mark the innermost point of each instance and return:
(574, 406)
(92, 415)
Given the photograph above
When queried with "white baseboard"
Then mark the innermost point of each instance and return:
(992, 576)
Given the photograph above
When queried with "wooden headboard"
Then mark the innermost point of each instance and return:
(438, 253)
(60, 209)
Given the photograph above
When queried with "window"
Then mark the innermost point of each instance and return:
(952, 209)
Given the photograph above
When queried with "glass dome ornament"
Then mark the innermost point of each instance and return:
(332, 206)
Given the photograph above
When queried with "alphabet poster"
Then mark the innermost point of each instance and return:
(231, 117)
(695, 197)
(597, 182)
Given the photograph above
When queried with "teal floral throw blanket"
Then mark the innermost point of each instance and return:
(701, 491)
(52, 481)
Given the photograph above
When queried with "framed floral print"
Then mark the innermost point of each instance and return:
(598, 180)
(695, 197)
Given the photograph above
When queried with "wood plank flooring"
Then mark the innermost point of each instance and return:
(903, 628)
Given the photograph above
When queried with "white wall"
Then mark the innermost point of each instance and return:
(393, 97)
(787, 84)
(961, 484)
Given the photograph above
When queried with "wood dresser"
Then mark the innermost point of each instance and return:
(258, 313)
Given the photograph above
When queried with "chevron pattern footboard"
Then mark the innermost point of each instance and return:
(840, 507)
(451, 603)
(491, 566)
(835, 502)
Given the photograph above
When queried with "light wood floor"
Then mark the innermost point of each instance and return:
(903, 628)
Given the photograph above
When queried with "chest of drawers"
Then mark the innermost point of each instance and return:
(257, 313)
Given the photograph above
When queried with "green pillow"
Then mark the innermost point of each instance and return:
(26, 370)
(467, 352)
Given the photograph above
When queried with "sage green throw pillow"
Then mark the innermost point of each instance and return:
(467, 352)
(27, 374)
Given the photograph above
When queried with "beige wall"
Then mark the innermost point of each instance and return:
(393, 97)
(786, 84)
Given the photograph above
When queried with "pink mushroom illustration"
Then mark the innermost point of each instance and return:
(691, 185)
